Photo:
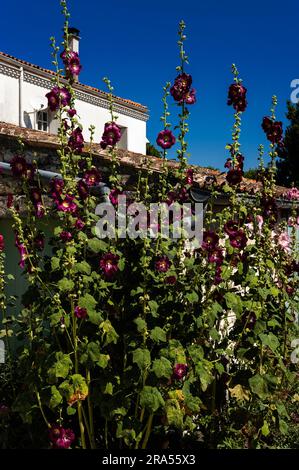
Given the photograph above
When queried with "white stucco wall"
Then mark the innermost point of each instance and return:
(33, 95)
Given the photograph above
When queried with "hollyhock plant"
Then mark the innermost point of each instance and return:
(181, 87)
(67, 204)
(237, 97)
(2, 244)
(76, 140)
(231, 227)
(80, 312)
(111, 135)
(56, 188)
(162, 264)
(272, 129)
(18, 166)
(66, 236)
(109, 265)
(180, 371)
(58, 96)
(61, 438)
(165, 139)
(92, 177)
(238, 239)
(210, 240)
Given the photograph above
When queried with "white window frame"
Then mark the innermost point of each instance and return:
(43, 123)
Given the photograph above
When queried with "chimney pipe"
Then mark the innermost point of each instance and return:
(74, 39)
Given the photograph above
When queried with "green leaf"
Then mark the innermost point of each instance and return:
(61, 367)
(283, 427)
(141, 324)
(94, 353)
(65, 285)
(234, 302)
(82, 267)
(270, 340)
(71, 411)
(55, 263)
(153, 307)
(108, 332)
(175, 352)
(56, 397)
(265, 429)
(259, 386)
(142, 358)
(96, 245)
(88, 302)
(174, 413)
(158, 334)
(162, 368)
(192, 297)
(151, 399)
(108, 389)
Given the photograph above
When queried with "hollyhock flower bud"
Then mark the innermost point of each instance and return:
(2, 244)
(210, 240)
(72, 112)
(58, 97)
(171, 280)
(165, 139)
(189, 176)
(80, 312)
(238, 239)
(18, 166)
(83, 189)
(111, 134)
(292, 194)
(180, 371)
(181, 87)
(67, 204)
(60, 437)
(272, 129)
(162, 264)
(237, 97)
(79, 224)
(66, 236)
(92, 177)
(109, 265)
(76, 140)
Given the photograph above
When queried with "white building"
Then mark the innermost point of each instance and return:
(23, 87)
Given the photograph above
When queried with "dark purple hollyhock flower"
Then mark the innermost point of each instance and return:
(67, 204)
(9, 202)
(238, 239)
(218, 278)
(83, 189)
(171, 197)
(237, 97)
(210, 240)
(113, 196)
(66, 236)
(56, 187)
(39, 242)
(79, 224)
(2, 244)
(76, 140)
(272, 129)
(71, 62)
(171, 280)
(189, 176)
(82, 164)
(270, 209)
(60, 437)
(190, 97)
(180, 371)
(181, 87)
(162, 264)
(18, 166)
(72, 112)
(289, 289)
(234, 176)
(36, 195)
(22, 251)
(39, 210)
(183, 195)
(80, 312)
(4, 410)
(240, 160)
(228, 163)
(215, 255)
(109, 265)
(165, 139)
(231, 227)
(30, 171)
(92, 177)
(111, 134)
(58, 97)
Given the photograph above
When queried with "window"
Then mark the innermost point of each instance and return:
(123, 143)
(42, 120)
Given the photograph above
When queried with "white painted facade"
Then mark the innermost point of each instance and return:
(23, 87)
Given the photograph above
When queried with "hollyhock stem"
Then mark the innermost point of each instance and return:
(148, 431)
(90, 411)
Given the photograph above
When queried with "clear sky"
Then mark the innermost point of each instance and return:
(134, 43)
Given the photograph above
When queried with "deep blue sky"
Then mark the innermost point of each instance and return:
(134, 43)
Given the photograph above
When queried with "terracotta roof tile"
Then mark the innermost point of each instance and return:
(202, 176)
(125, 101)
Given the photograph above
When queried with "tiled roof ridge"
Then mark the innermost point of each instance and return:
(139, 161)
(87, 87)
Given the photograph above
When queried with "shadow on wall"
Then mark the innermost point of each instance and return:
(27, 120)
